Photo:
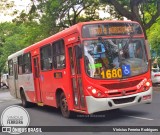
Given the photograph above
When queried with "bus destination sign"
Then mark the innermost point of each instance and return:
(110, 29)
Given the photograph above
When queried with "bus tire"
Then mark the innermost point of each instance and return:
(64, 106)
(25, 103)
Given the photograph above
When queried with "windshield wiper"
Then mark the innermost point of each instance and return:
(129, 39)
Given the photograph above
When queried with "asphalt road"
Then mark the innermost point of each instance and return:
(138, 115)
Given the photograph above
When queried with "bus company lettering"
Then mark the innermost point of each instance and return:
(71, 39)
(111, 91)
(35, 52)
(141, 83)
(49, 98)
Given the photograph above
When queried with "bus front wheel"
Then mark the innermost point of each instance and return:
(64, 106)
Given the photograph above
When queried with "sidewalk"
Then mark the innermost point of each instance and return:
(3, 90)
(5, 95)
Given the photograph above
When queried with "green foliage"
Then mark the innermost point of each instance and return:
(15, 37)
(5, 5)
(55, 15)
(158, 61)
(154, 37)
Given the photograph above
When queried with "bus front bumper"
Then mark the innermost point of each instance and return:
(102, 104)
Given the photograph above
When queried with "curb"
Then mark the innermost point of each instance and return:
(156, 89)
(3, 90)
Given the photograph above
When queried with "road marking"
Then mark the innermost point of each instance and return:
(138, 117)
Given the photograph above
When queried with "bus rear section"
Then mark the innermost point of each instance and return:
(88, 68)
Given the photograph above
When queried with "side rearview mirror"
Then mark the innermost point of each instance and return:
(78, 51)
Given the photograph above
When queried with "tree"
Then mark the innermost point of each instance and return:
(136, 10)
(7, 8)
(56, 15)
(5, 5)
(154, 38)
(158, 61)
(7, 30)
(15, 37)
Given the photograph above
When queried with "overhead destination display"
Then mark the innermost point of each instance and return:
(108, 29)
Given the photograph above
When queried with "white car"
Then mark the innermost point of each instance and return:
(155, 76)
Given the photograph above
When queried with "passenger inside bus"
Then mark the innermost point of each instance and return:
(62, 61)
(99, 53)
(26, 69)
(95, 58)
(100, 58)
(139, 51)
(89, 61)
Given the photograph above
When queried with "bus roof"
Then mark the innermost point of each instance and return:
(16, 54)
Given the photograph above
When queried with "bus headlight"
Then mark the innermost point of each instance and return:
(95, 93)
(147, 85)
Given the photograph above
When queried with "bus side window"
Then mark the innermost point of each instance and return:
(71, 60)
(46, 62)
(10, 67)
(20, 64)
(139, 51)
(27, 63)
(59, 61)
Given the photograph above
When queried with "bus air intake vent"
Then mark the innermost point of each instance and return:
(121, 85)
(123, 100)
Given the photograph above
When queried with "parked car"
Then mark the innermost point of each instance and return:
(155, 76)
(4, 82)
(155, 66)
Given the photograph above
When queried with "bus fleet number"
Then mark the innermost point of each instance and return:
(114, 73)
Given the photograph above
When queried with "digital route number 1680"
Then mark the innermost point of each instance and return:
(112, 73)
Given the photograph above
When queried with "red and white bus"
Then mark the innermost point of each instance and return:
(89, 67)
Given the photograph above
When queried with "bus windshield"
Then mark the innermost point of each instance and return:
(115, 58)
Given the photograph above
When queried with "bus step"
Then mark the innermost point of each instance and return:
(40, 104)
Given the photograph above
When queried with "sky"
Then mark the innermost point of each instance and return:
(25, 5)
(19, 5)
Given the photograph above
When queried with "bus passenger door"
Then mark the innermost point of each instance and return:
(36, 75)
(76, 79)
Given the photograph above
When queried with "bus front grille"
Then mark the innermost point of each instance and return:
(121, 85)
